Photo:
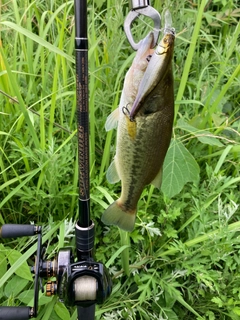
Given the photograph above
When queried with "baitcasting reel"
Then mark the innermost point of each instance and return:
(82, 283)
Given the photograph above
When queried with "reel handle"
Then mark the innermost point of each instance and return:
(15, 313)
(18, 230)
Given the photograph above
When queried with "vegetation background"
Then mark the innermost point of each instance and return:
(184, 251)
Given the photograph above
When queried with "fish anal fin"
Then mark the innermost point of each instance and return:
(112, 173)
(157, 181)
(112, 120)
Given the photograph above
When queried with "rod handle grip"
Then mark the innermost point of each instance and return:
(15, 313)
(17, 230)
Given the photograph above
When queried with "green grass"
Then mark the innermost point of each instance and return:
(184, 251)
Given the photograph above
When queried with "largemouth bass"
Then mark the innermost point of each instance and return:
(144, 122)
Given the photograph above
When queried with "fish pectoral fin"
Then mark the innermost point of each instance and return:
(157, 181)
(112, 120)
(112, 173)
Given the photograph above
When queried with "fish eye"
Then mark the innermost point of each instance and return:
(165, 40)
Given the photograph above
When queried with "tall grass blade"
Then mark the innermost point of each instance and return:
(190, 55)
(37, 39)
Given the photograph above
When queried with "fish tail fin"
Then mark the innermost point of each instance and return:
(115, 215)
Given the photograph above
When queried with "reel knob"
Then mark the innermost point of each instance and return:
(51, 288)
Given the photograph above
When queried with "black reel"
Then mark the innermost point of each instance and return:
(83, 283)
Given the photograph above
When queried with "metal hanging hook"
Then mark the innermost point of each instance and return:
(142, 7)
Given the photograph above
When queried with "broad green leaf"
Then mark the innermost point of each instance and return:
(1, 292)
(3, 261)
(23, 271)
(12, 289)
(43, 299)
(27, 298)
(202, 135)
(236, 310)
(62, 311)
(179, 168)
(171, 314)
(207, 138)
(170, 300)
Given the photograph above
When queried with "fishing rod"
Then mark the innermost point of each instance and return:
(86, 282)
(85, 226)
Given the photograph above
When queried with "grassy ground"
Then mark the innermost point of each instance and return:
(184, 254)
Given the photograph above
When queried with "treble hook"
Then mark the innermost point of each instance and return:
(127, 113)
(143, 7)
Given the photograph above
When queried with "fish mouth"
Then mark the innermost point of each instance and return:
(165, 45)
(162, 51)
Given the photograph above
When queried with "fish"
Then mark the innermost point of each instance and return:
(144, 121)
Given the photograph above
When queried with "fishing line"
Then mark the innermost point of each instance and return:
(141, 17)
(168, 24)
(85, 288)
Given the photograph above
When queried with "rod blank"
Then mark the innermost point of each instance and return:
(81, 53)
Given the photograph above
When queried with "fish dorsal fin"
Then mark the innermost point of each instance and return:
(157, 181)
(112, 174)
(112, 120)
